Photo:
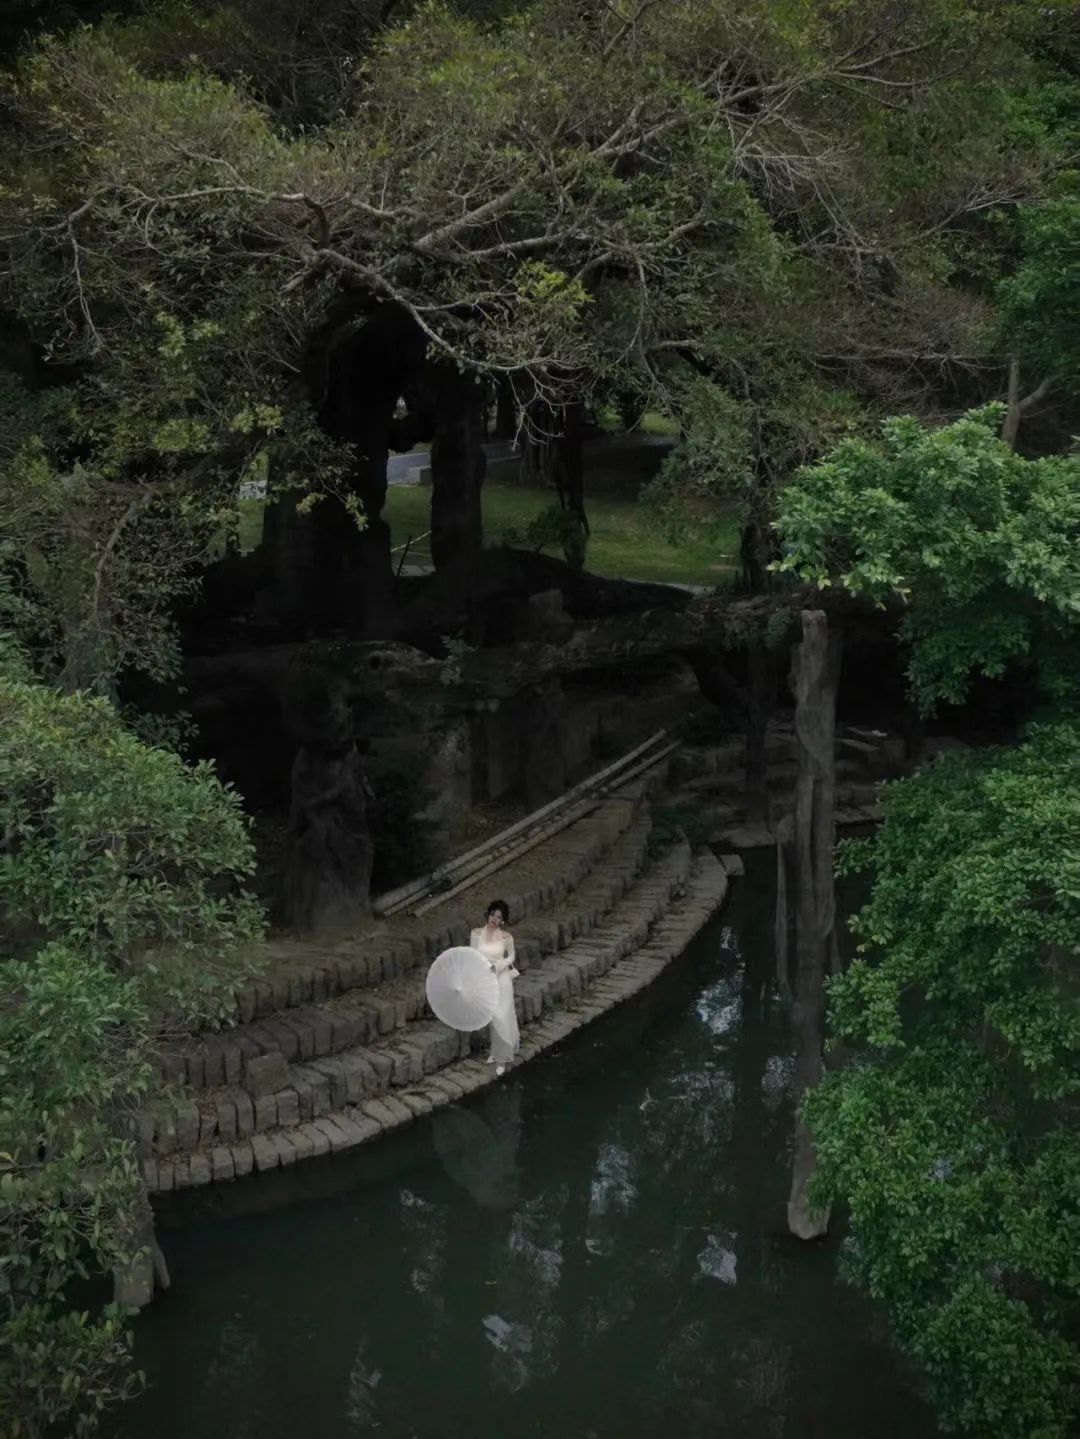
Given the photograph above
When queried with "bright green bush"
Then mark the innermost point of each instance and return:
(120, 885)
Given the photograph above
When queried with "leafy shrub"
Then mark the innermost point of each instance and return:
(119, 849)
(554, 528)
(122, 868)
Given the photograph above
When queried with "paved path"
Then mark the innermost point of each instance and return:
(399, 468)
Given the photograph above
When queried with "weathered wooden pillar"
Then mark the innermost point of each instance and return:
(458, 466)
(785, 834)
(815, 672)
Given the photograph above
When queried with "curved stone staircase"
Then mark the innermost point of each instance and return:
(335, 1044)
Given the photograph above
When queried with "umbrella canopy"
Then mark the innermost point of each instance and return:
(461, 989)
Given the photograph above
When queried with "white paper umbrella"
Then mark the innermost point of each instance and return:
(461, 989)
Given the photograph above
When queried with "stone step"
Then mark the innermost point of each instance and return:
(586, 908)
(875, 753)
(350, 1100)
(779, 777)
(302, 973)
(747, 834)
(692, 761)
(367, 1010)
(391, 1058)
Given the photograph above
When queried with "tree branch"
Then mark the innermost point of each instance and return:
(1015, 407)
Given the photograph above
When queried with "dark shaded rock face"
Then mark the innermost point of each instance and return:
(329, 851)
(541, 740)
(492, 602)
(335, 699)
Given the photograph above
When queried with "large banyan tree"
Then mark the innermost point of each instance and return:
(240, 257)
(273, 244)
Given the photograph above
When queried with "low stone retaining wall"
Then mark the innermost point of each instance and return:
(342, 1102)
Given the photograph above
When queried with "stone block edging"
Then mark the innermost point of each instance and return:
(593, 989)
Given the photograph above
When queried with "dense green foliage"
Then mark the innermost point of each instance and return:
(120, 870)
(981, 547)
(956, 1146)
(114, 847)
(68, 1182)
(772, 222)
(776, 223)
(1039, 302)
(954, 1138)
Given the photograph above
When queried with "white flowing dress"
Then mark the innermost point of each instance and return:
(503, 1030)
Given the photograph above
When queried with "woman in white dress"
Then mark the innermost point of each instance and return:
(496, 944)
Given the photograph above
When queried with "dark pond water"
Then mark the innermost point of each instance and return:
(592, 1250)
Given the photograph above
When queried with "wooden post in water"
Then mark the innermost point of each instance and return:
(815, 671)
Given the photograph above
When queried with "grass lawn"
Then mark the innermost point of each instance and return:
(625, 541)
(650, 423)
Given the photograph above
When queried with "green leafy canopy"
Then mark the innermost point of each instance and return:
(121, 874)
(980, 546)
(955, 1144)
(953, 1135)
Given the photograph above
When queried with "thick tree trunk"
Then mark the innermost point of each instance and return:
(506, 412)
(629, 407)
(334, 698)
(457, 472)
(816, 665)
(569, 463)
(328, 849)
(366, 363)
(326, 572)
(554, 455)
(755, 554)
(366, 592)
(368, 582)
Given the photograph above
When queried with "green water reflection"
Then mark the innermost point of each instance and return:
(593, 1250)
